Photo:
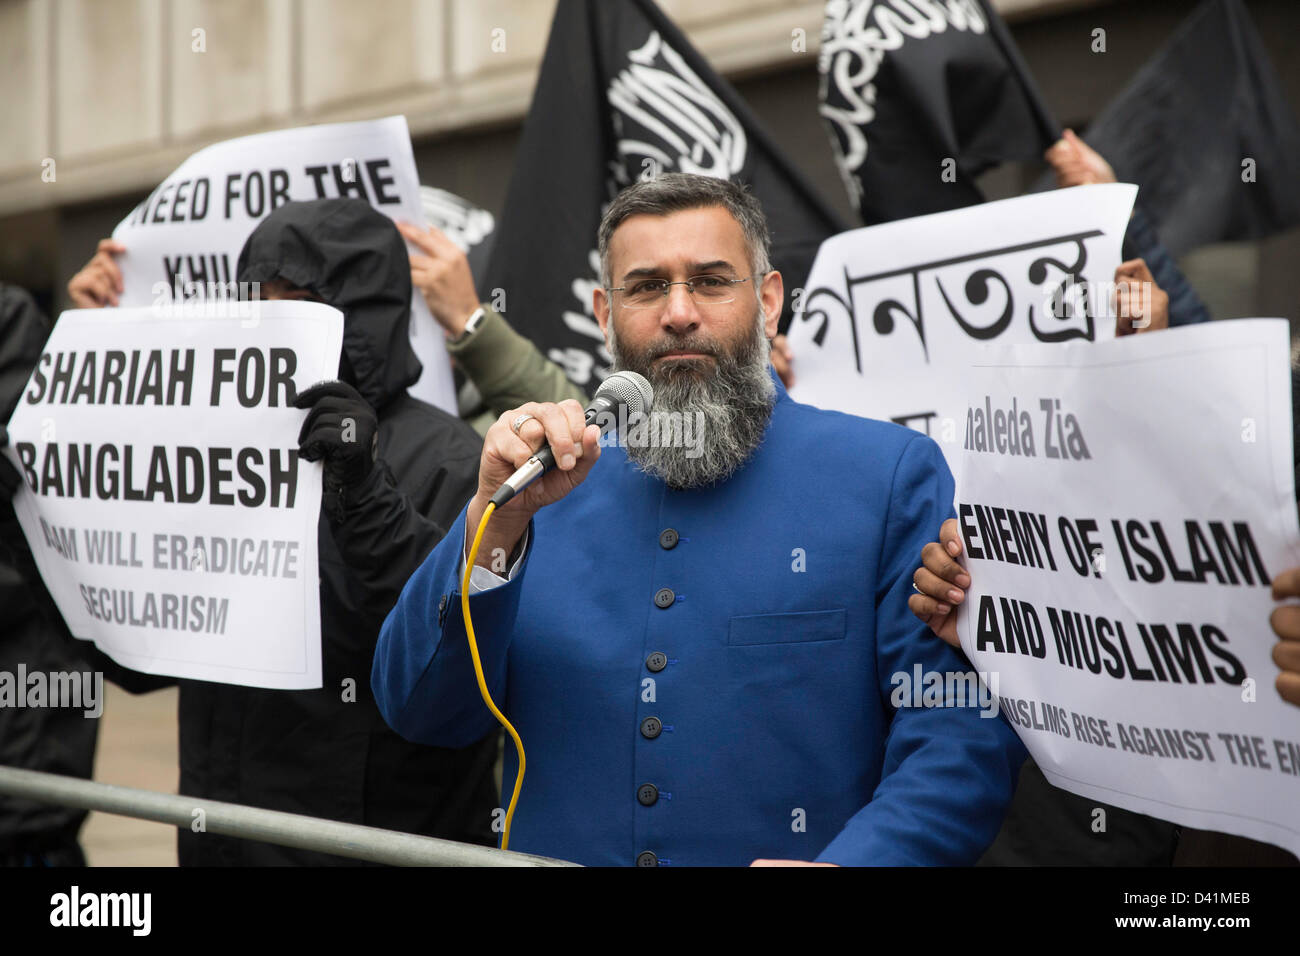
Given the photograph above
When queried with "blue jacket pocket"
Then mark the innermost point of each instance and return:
(799, 627)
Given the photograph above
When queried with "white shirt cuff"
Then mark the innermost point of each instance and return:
(482, 579)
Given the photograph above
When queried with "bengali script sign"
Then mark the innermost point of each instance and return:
(893, 314)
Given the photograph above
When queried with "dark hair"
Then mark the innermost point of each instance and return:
(674, 192)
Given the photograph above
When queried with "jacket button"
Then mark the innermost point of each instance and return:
(668, 539)
(664, 597)
(647, 794)
(651, 727)
(656, 662)
(647, 859)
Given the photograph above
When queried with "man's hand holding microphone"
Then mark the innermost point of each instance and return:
(516, 437)
(536, 454)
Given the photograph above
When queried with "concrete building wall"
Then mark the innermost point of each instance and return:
(117, 92)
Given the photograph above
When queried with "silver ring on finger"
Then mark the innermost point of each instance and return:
(518, 423)
(915, 588)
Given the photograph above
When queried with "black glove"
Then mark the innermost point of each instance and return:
(341, 428)
(10, 478)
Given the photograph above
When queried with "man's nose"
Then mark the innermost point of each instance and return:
(680, 314)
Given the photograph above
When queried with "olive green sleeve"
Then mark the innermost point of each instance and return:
(507, 369)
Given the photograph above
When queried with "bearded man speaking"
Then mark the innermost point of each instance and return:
(702, 647)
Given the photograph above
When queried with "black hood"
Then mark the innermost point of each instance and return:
(23, 331)
(355, 259)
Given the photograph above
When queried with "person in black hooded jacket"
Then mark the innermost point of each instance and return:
(397, 473)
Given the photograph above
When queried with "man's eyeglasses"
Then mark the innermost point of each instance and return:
(705, 290)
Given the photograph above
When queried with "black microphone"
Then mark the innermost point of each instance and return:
(622, 393)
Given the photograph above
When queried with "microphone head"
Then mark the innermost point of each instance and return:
(627, 389)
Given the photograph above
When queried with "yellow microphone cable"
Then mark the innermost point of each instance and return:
(623, 392)
(478, 672)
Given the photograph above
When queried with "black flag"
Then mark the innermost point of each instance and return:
(623, 96)
(920, 97)
(1205, 132)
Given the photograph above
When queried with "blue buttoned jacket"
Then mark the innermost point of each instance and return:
(781, 608)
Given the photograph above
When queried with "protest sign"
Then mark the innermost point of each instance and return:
(183, 241)
(1124, 507)
(892, 314)
(165, 503)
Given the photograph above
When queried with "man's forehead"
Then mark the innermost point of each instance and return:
(688, 238)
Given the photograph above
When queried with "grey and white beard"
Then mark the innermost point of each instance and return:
(732, 398)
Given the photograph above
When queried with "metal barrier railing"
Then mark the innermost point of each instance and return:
(253, 823)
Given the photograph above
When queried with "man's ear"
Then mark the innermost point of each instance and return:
(600, 305)
(772, 295)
